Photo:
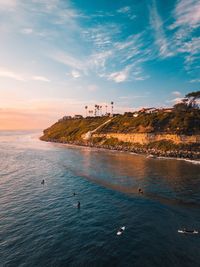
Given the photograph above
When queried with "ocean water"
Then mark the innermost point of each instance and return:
(41, 226)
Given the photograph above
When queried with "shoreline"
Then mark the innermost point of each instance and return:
(193, 156)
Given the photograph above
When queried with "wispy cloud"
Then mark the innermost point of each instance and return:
(119, 76)
(186, 17)
(66, 59)
(175, 100)
(195, 81)
(126, 55)
(27, 31)
(127, 11)
(75, 74)
(176, 93)
(187, 13)
(40, 78)
(160, 37)
(11, 74)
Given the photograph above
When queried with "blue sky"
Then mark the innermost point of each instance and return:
(58, 56)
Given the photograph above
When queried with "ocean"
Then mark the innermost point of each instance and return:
(41, 226)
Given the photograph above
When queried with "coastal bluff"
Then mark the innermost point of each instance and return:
(162, 134)
(146, 138)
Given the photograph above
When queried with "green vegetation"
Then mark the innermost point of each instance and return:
(184, 118)
(72, 129)
(178, 122)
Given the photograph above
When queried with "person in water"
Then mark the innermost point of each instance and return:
(42, 181)
(78, 205)
(140, 191)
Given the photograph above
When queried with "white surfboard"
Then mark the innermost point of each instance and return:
(121, 230)
(188, 231)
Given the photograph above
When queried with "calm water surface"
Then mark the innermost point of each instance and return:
(41, 226)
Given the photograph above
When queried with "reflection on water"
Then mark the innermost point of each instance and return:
(178, 180)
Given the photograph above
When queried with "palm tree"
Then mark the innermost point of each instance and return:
(112, 103)
(95, 110)
(98, 109)
(86, 107)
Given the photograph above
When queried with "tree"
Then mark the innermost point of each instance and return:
(112, 103)
(95, 110)
(182, 106)
(192, 99)
(189, 102)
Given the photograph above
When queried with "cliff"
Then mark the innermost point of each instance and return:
(146, 133)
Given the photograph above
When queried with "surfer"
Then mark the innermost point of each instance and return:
(140, 191)
(42, 181)
(78, 205)
(187, 231)
(121, 230)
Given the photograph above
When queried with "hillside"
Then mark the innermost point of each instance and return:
(174, 122)
(187, 123)
(71, 129)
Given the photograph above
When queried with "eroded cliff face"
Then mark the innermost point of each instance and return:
(146, 138)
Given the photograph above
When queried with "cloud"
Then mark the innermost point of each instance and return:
(127, 11)
(102, 35)
(21, 77)
(187, 13)
(175, 100)
(99, 59)
(176, 93)
(68, 60)
(40, 78)
(124, 10)
(142, 78)
(119, 76)
(129, 54)
(186, 17)
(192, 47)
(195, 81)
(12, 75)
(75, 74)
(160, 37)
(27, 31)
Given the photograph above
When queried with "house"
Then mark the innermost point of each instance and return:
(147, 110)
(65, 118)
(128, 114)
(78, 116)
(167, 110)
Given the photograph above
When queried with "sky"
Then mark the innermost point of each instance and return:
(56, 56)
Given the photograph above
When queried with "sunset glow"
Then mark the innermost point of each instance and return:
(58, 56)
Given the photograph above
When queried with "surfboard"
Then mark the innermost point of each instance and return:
(121, 230)
(188, 231)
